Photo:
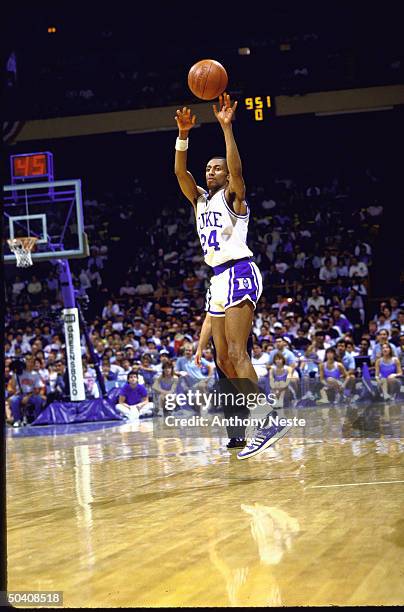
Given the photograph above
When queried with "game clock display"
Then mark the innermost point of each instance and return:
(32, 166)
(260, 107)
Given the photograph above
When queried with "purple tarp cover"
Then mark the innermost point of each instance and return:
(79, 412)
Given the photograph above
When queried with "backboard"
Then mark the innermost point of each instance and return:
(52, 212)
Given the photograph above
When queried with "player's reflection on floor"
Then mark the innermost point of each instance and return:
(372, 421)
(246, 569)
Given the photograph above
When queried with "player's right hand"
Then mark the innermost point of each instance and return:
(184, 119)
(198, 357)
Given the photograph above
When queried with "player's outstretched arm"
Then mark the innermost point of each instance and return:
(185, 179)
(236, 183)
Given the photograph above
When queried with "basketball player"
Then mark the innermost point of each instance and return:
(222, 215)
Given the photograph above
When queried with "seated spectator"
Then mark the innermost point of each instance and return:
(328, 272)
(19, 343)
(358, 269)
(382, 338)
(147, 369)
(181, 304)
(388, 368)
(84, 279)
(342, 268)
(144, 288)
(332, 377)
(34, 289)
(166, 383)
(280, 377)
(133, 399)
(340, 320)
(90, 382)
(127, 289)
(108, 374)
(17, 289)
(62, 384)
(315, 299)
(110, 310)
(164, 357)
(152, 351)
(26, 393)
(260, 363)
(191, 374)
(308, 363)
(282, 346)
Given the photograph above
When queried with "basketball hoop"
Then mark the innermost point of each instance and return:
(22, 247)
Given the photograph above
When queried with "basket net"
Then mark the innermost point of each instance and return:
(22, 247)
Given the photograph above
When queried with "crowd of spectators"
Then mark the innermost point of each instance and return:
(108, 76)
(312, 244)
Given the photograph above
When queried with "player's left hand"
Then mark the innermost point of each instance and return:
(226, 113)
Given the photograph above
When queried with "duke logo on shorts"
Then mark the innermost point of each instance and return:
(223, 236)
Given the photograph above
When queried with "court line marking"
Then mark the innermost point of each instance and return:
(356, 484)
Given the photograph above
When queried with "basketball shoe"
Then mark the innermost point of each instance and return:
(264, 437)
(236, 443)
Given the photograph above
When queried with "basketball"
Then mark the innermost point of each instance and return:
(207, 79)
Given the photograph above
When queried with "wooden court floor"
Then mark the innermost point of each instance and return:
(123, 516)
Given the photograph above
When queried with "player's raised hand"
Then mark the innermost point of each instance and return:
(184, 119)
(226, 111)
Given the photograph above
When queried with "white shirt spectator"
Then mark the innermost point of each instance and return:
(34, 287)
(327, 274)
(316, 301)
(144, 289)
(95, 277)
(367, 246)
(110, 310)
(116, 368)
(18, 287)
(25, 346)
(85, 282)
(127, 289)
(259, 364)
(360, 269)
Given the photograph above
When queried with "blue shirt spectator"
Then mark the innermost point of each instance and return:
(133, 394)
(281, 347)
(348, 361)
(341, 321)
(187, 364)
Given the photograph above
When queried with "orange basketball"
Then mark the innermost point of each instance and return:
(207, 79)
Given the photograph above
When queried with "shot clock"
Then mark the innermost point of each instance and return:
(31, 167)
(258, 106)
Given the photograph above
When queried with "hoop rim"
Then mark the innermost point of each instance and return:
(27, 242)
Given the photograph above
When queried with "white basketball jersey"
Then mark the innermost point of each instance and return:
(222, 233)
